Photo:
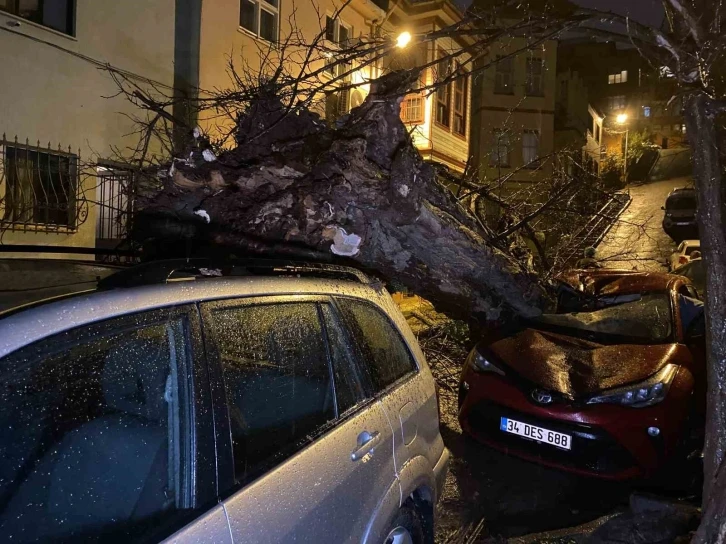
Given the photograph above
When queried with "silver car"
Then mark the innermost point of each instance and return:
(257, 402)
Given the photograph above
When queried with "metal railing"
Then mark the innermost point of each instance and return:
(114, 201)
(38, 187)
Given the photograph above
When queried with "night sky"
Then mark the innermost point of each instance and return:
(644, 11)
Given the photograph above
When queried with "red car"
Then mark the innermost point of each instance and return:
(611, 385)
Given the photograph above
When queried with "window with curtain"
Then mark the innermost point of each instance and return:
(500, 148)
(530, 148)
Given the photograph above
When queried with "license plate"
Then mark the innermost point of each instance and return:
(538, 434)
(682, 223)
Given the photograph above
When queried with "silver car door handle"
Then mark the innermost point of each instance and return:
(370, 441)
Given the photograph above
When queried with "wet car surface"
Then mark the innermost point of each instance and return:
(610, 390)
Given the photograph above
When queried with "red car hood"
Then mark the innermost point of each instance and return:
(575, 367)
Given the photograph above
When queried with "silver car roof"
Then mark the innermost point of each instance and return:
(24, 327)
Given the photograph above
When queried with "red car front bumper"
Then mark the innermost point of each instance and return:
(608, 441)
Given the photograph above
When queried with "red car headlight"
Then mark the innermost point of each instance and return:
(647, 393)
(480, 363)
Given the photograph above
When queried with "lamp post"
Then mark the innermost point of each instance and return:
(622, 119)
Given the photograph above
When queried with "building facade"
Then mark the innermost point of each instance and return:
(513, 115)
(621, 84)
(246, 35)
(65, 129)
(59, 112)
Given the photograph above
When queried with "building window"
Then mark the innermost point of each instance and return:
(260, 17)
(530, 148)
(504, 76)
(616, 102)
(56, 14)
(443, 93)
(621, 77)
(337, 32)
(535, 81)
(40, 187)
(500, 149)
(563, 91)
(646, 111)
(460, 104)
(412, 109)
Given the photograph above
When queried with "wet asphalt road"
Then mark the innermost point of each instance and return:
(497, 496)
(637, 239)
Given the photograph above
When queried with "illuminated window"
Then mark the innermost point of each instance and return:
(621, 77)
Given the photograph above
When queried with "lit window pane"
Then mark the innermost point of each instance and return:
(268, 26)
(248, 15)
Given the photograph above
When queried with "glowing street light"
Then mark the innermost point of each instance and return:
(404, 38)
(622, 118)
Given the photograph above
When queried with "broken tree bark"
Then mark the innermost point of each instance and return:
(359, 190)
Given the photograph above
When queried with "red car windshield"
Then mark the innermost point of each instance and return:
(647, 318)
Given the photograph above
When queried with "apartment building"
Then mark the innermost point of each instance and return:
(59, 112)
(246, 34)
(621, 84)
(513, 114)
(439, 119)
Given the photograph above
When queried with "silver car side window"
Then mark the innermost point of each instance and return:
(277, 379)
(91, 431)
(384, 353)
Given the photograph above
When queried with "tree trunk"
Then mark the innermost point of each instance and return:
(360, 191)
(700, 120)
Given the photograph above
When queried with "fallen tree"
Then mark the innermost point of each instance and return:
(359, 191)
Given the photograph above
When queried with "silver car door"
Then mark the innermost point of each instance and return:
(311, 457)
(406, 391)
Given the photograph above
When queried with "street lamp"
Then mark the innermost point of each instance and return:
(622, 119)
(404, 38)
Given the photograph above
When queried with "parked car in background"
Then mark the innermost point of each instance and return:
(683, 253)
(694, 271)
(252, 402)
(611, 387)
(680, 218)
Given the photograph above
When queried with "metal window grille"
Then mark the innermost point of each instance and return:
(38, 187)
(114, 200)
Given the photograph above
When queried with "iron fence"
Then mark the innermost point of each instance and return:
(39, 187)
(114, 201)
